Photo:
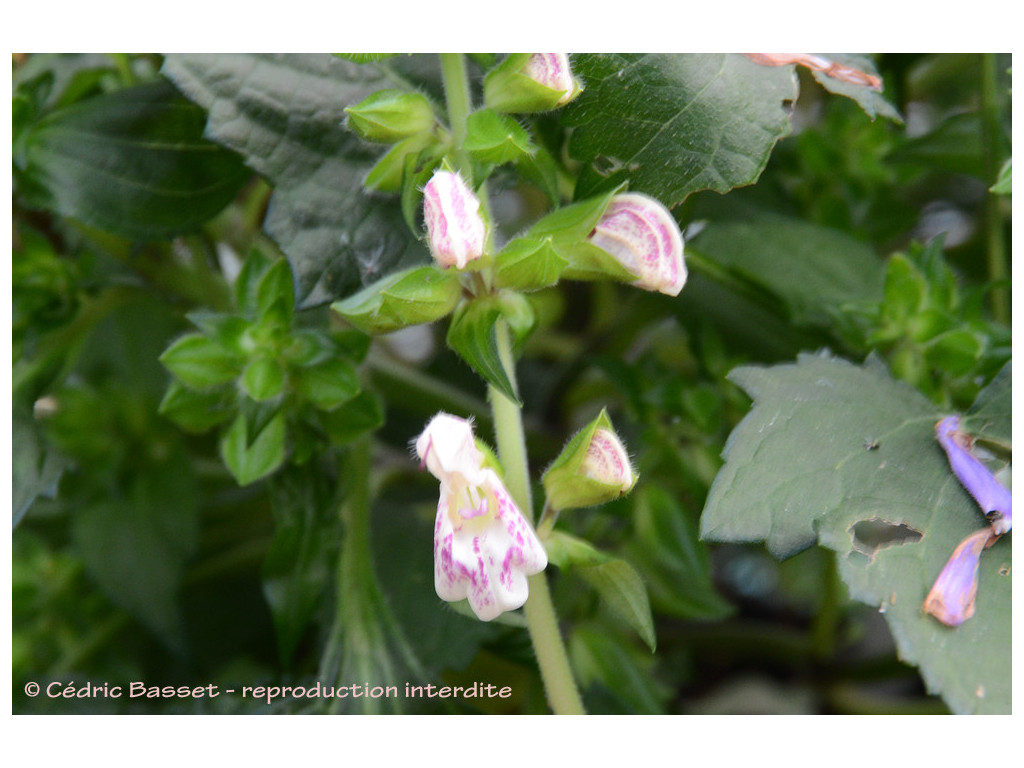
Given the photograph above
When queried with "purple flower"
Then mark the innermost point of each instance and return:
(951, 599)
(995, 500)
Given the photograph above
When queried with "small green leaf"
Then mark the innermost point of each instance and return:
(413, 296)
(526, 264)
(247, 282)
(675, 564)
(473, 335)
(362, 414)
(249, 460)
(328, 384)
(1004, 184)
(496, 139)
(276, 286)
(197, 411)
(388, 173)
(199, 362)
(263, 379)
(615, 580)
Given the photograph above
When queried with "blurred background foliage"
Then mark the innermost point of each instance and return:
(265, 524)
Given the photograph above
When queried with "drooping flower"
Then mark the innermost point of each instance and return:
(995, 500)
(455, 228)
(951, 599)
(640, 233)
(483, 546)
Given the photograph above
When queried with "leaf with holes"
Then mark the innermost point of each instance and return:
(845, 456)
(673, 124)
(285, 115)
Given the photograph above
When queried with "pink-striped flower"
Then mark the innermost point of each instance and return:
(455, 228)
(483, 546)
(640, 233)
(552, 71)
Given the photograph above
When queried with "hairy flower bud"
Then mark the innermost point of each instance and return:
(640, 233)
(531, 82)
(552, 70)
(592, 469)
(391, 115)
(455, 229)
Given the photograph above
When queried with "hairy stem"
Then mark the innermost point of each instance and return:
(995, 246)
(539, 610)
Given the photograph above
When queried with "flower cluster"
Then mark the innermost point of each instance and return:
(951, 599)
(483, 546)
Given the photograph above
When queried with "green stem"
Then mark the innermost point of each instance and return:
(456, 91)
(539, 610)
(996, 249)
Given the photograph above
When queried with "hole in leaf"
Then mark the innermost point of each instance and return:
(869, 536)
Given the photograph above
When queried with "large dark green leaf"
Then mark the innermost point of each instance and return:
(136, 545)
(813, 270)
(846, 456)
(673, 124)
(132, 162)
(285, 114)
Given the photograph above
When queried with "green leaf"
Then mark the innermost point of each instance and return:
(496, 139)
(249, 460)
(136, 545)
(843, 455)
(674, 124)
(132, 163)
(674, 563)
(956, 145)
(410, 297)
(473, 335)
(526, 264)
(1004, 184)
(297, 572)
(604, 665)
(811, 269)
(363, 413)
(867, 98)
(285, 114)
(276, 286)
(199, 362)
(263, 379)
(37, 467)
(197, 411)
(616, 581)
(328, 384)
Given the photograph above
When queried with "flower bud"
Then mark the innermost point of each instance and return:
(455, 229)
(391, 115)
(592, 469)
(531, 82)
(640, 234)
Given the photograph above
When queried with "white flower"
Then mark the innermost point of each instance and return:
(640, 233)
(483, 546)
(455, 229)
